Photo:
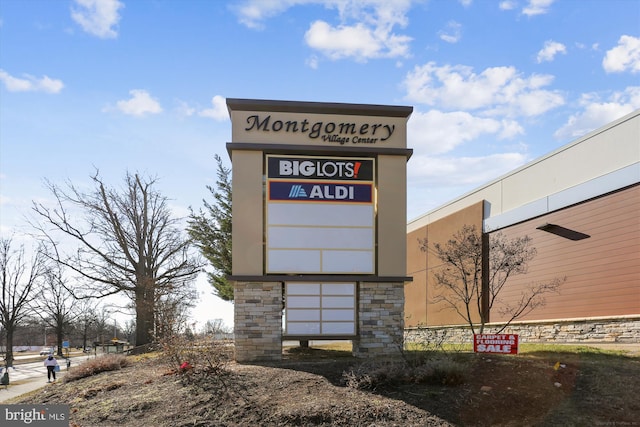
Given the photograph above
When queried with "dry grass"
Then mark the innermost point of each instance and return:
(543, 387)
(107, 363)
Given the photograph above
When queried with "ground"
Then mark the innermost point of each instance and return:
(325, 388)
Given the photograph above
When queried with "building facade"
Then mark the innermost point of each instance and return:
(580, 205)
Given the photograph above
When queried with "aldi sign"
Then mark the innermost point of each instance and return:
(495, 343)
(326, 192)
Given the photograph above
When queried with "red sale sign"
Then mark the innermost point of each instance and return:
(495, 343)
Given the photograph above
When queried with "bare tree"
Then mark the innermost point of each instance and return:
(127, 240)
(475, 269)
(172, 312)
(55, 304)
(216, 328)
(19, 280)
(85, 318)
(102, 324)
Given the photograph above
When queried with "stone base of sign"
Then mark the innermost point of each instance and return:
(258, 321)
(380, 319)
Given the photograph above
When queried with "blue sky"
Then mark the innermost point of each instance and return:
(140, 86)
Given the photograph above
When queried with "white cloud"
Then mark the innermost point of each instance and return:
(597, 112)
(495, 91)
(436, 132)
(30, 83)
(550, 50)
(365, 30)
(185, 110)
(140, 104)
(507, 5)
(461, 171)
(453, 32)
(624, 57)
(312, 62)
(358, 41)
(219, 111)
(537, 7)
(253, 13)
(97, 17)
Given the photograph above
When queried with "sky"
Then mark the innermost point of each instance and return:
(121, 86)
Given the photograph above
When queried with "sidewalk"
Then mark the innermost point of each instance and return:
(28, 377)
(19, 387)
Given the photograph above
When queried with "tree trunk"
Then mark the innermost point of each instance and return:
(144, 315)
(9, 353)
(59, 340)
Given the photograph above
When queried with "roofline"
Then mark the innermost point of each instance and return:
(567, 146)
(237, 104)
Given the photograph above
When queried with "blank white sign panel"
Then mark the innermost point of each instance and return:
(327, 215)
(347, 261)
(294, 260)
(322, 237)
(320, 309)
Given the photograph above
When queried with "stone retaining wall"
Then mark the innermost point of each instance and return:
(582, 331)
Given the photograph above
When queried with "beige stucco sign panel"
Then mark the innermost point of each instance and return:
(318, 129)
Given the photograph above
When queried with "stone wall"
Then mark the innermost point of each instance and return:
(258, 321)
(380, 319)
(581, 331)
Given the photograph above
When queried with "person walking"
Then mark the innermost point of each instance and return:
(50, 362)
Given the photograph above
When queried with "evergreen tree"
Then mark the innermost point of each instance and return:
(211, 231)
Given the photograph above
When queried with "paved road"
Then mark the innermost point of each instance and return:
(27, 377)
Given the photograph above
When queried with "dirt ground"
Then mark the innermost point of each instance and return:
(317, 389)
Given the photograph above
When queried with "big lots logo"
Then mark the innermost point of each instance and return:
(309, 168)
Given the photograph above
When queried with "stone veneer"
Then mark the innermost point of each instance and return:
(380, 319)
(258, 321)
(623, 330)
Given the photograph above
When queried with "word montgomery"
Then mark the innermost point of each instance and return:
(328, 131)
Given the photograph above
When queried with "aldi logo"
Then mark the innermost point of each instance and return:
(321, 192)
(297, 192)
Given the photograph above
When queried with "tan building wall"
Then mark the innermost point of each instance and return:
(420, 308)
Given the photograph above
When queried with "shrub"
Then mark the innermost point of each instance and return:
(108, 362)
(439, 371)
(193, 359)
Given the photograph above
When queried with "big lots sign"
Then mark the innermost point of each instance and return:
(495, 343)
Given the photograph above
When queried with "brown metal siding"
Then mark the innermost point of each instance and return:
(602, 271)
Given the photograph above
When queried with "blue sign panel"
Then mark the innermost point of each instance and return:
(305, 191)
